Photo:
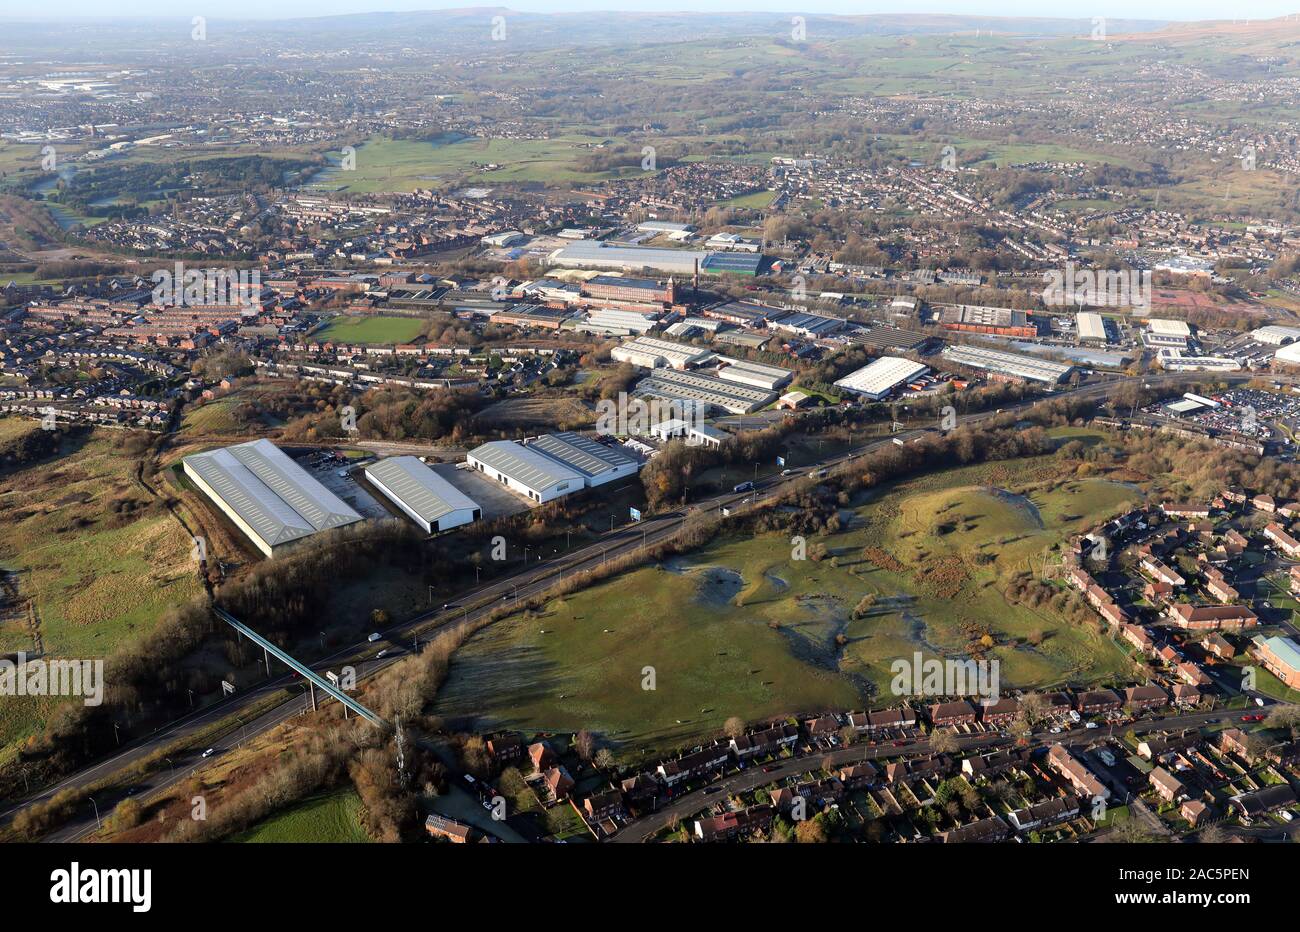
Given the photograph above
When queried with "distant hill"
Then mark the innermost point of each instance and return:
(472, 28)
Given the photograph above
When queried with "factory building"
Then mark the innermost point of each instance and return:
(1091, 327)
(553, 465)
(970, 318)
(732, 397)
(596, 462)
(1175, 360)
(881, 376)
(1002, 366)
(595, 254)
(426, 497)
(268, 496)
(1276, 335)
(641, 290)
(740, 313)
(1288, 355)
(810, 326)
(617, 322)
(649, 353)
(756, 374)
(1171, 334)
(525, 471)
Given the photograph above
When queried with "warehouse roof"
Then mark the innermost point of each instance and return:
(587, 456)
(892, 337)
(881, 375)
(597, 254)
(1172, 328)
(1025, 367)
(1276, 334)
(421, 489)
(271, 493)
(523, 464)
(1091, 325)
(694, 386)
(740, 263)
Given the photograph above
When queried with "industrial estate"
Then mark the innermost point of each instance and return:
(700, 429)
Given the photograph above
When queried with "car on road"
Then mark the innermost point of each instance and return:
(382, 654)
(744, 487)
(709, 791)
(1090, 725)
(769, 769)
(209, 752)
(1256, 717)
(374, 637)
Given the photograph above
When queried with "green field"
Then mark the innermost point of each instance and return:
(95, 570)
(741, 627)
(213, 417)
(755, 200)
(369, 330)
(331, 818)
(384, 164)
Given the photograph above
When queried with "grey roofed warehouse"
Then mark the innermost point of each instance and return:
(429, 499)
(267, 495)
(596, 462)
(527, 471)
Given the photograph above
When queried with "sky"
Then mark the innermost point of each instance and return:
(285, 9)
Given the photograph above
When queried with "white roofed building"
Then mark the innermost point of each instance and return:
(881, 376)
(426, 497)
(524, 470)
(268, 496)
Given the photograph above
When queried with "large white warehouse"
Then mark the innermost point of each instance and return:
(650, 353)
(426, 497)
(757, 374)
(268, 496)
(881, 376)
(525, 470)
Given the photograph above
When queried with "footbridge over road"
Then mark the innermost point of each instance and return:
(306, 672)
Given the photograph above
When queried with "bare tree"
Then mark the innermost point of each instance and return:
(943, 741)
(585, 744)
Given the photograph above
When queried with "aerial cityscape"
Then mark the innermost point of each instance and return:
(484, 426)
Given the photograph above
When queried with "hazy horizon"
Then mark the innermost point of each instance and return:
(1189, 10)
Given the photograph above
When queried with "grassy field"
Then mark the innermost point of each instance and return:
(94, 569)
(755, 200)
(97, 557)
(214, 417)
(384, 164)
(331, 818)
(557, 411)
(369, 330)
(743, 627)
